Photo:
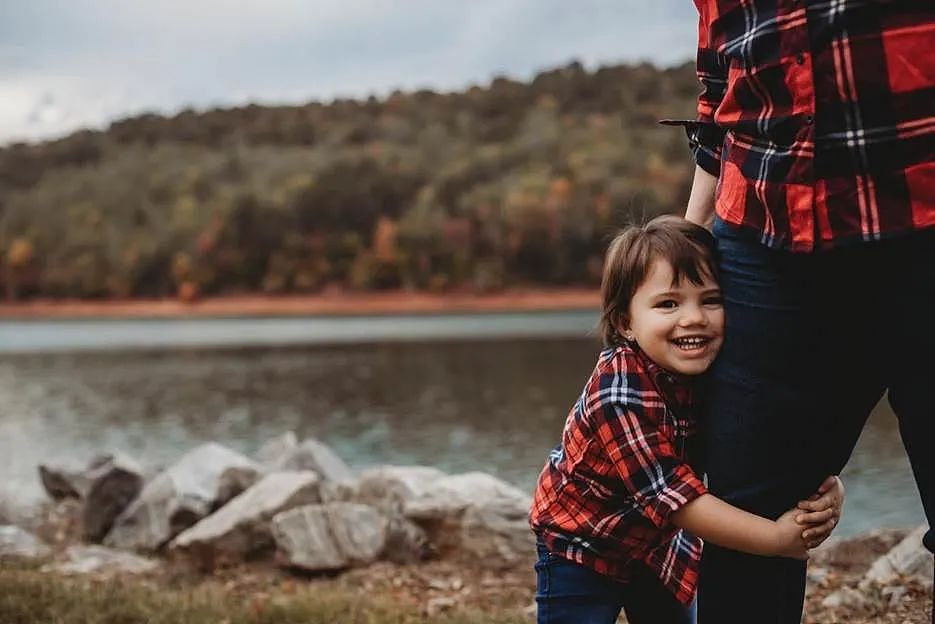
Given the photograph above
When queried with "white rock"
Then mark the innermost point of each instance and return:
(497, 534)
(451, 495)
(474, 514)
(275, 451)
(101, 560)
(16, 542)
(241, 528)
(312, 454)
(202, 480)
(329, 537)
(907, 559)
(390, 487)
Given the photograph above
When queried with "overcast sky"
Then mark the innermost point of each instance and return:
(68, 64)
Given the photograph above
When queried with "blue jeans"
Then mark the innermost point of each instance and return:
(569, 593)
(812, 342)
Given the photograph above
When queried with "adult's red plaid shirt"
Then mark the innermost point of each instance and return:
(606, 494)
(819, 117)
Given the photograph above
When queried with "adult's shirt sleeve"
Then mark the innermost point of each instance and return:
(657, 479)
(705, 137)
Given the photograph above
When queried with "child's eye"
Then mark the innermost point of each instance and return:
(666, 304)
(714, 301)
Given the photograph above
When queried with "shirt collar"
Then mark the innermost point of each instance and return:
(676, 389)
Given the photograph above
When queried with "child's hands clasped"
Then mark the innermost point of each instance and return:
(821, 511)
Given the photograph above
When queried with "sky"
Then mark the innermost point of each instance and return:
(71, 64)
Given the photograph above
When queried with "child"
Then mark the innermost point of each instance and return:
(614, 495)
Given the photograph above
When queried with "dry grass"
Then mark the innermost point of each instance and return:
(28, 596)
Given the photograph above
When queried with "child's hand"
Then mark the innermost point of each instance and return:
(823, 510)
(789, 540)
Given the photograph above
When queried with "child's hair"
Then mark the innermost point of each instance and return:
(689, 248)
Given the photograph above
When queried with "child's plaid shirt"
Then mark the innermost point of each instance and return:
(606, 494)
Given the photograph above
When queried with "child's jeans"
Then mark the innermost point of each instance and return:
(569, 593)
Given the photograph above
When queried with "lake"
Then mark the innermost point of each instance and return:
(461, 392)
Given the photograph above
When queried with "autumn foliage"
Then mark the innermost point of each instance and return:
(497, 186)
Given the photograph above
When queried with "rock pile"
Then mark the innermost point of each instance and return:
(297, 504)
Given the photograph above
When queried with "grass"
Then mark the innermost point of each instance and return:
(28, 596)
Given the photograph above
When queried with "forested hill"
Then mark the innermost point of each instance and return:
(510, 184)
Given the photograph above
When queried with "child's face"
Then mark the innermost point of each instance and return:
(680, 326)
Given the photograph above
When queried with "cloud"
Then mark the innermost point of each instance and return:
(66, 65)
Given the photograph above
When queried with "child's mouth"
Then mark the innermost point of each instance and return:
(691, 343)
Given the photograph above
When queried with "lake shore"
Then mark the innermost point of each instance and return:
(325, 304)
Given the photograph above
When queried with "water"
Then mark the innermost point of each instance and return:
(411, 396)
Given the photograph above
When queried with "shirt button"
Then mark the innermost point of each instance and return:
(800, 58)
(809, 120)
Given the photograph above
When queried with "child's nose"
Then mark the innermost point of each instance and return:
(693, 315)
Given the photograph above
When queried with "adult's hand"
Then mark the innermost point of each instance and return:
(821, 511)
(700, 208)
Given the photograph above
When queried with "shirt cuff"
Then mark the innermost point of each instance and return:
(705, 139)
(682, 486)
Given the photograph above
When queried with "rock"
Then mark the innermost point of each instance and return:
(16, 542)
(329, 537)
(390, 487)
(474, 514)
(907, 559)
(241, 528)
(406, 541)
(277, 449)
(451, 495)
(114, 484)
(317, 456)
(845, 597)
(69, 482)
(894, 593)
(100, 560)
(202, 480)
(497, 534)
(106, 486)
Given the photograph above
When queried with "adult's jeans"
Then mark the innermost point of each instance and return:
(570, 593)
(812, 342)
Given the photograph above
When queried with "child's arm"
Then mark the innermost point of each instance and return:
(721, 523)
(663, 487)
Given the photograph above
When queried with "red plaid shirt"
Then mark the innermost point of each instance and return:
(819, 117)
(606, 494)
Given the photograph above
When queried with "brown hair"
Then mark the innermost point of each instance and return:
(689, 248)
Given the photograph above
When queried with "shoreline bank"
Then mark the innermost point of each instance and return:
(326, 304)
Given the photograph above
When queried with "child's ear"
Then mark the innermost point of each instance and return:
(622, 325)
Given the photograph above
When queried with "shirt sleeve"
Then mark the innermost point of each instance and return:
(705, 137)
(652, 473)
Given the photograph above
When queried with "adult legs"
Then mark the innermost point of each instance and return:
(786, 401)
(647, 601)
(911, 343)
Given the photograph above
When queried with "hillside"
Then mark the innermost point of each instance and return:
(506, 185)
